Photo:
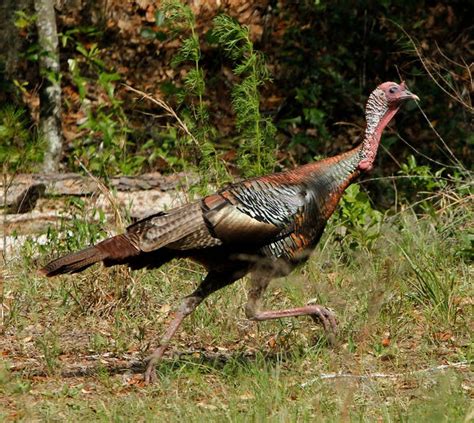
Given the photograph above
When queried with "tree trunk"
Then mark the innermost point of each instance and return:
(50, 91)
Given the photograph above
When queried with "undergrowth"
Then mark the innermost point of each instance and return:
(191, 97)
(257, 147)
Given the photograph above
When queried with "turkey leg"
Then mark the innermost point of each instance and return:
(211, 283)
(188, 305)
(317, 312)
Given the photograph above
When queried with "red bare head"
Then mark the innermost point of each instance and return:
(383, 103)
(396, 93)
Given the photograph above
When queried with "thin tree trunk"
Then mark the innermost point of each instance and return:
(50, 92)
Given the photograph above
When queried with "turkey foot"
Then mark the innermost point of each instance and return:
(150, 373)
(317, 312)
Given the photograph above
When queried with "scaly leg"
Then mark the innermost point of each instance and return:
(317, 312)
(188, 305)
(211, 283)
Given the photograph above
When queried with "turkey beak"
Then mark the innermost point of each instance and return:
(407, 95)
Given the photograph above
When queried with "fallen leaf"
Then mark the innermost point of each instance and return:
(443, 336)
(165, 309)
(272, 342)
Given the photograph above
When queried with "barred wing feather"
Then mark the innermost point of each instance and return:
(252, 212)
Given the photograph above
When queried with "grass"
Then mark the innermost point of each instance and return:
(72, 346)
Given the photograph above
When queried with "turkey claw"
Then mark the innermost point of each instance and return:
(326, 317)
(150, 373)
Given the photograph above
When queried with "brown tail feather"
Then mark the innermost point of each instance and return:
(115, 250)
(74, 262)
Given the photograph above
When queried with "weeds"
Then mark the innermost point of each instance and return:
(358, 223)
(48, 345)
(80, 227)
(257, 148)
(104, 147)
(256, 152)
(191, 97)
(432, 285)
(19, 149)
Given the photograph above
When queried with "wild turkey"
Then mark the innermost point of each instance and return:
(264, 226)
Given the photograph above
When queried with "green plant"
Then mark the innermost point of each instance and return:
(312, 116)
(104, 149)
(257, 148)
(20, 149)
(357, 222)
(24, 20)
(85, 223)
(81, 227)
(49, 345)
(25, 23)
(420, 180)
(98, 342)
(193, 110)
(104, 145)
(432, 285)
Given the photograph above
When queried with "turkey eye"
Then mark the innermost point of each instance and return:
(393, 89)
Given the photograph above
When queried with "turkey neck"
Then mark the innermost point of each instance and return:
(328, 178)
(369, 147)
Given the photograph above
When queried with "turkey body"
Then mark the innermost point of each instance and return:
(273, 221)
(264, 226)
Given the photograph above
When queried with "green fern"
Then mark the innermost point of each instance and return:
(256, 154)
(195, 114)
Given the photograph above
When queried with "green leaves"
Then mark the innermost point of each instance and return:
(357, 218)
(356, 207)
(256, 138)
(176, 14)
(200, 150)
(421, 177)
(234, 37)
(194, 82)
(189, 51)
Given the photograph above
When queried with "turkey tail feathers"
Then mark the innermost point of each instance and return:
(115, 250)
(73, 263)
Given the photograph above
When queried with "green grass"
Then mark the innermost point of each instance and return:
(403, 301)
